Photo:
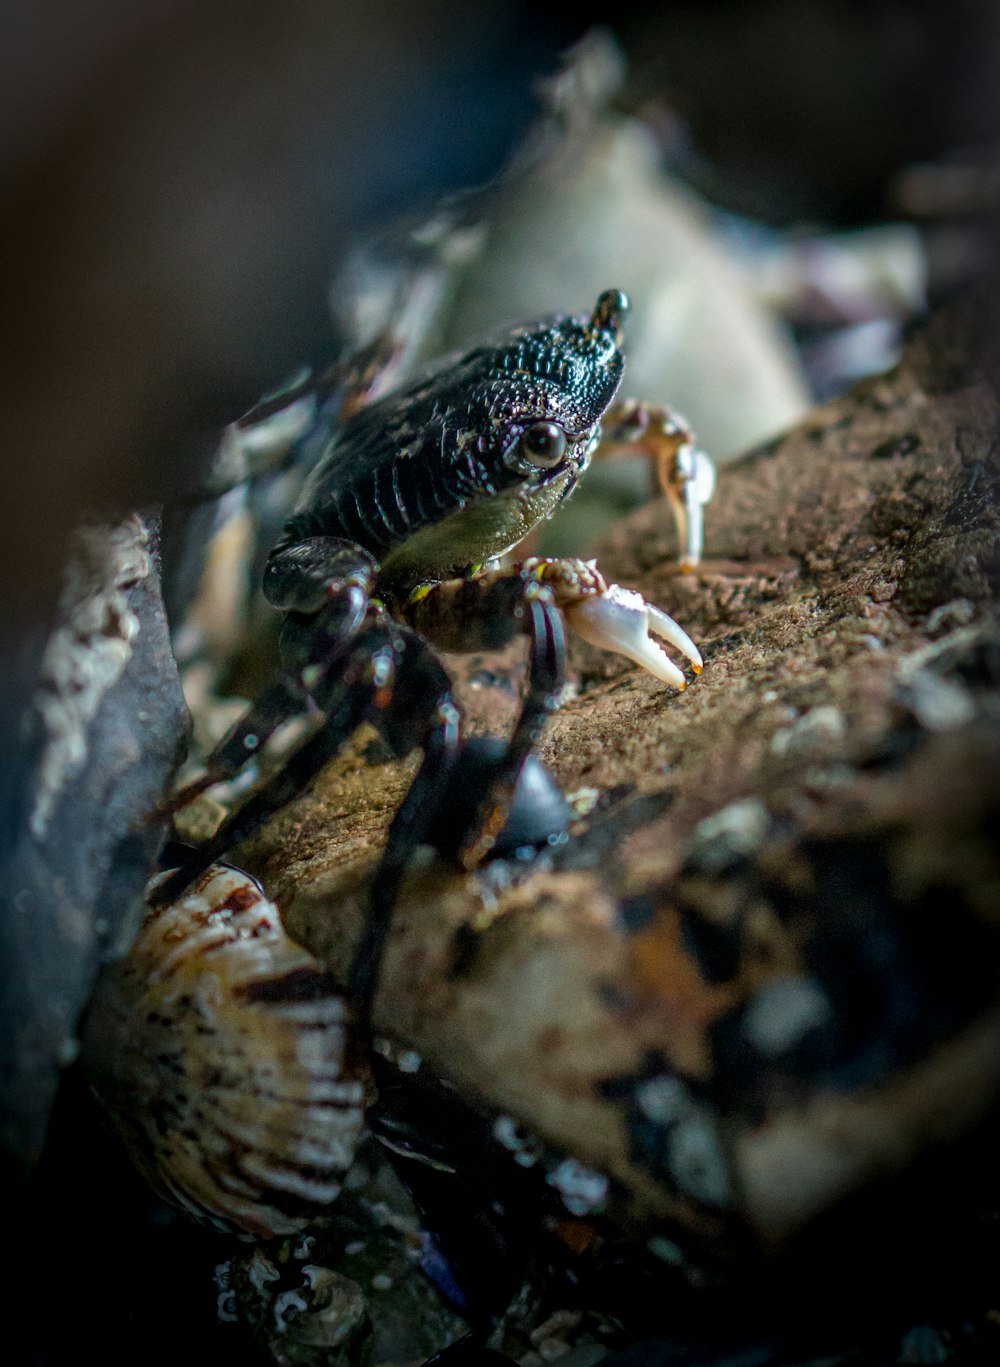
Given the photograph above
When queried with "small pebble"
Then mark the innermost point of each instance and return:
(923, 1347)
(817, 729)
(938, 704)
(583, 1190)
(782, 1011)
(732, 833)
(958, 613)
(666, 1250)
(697, 1161)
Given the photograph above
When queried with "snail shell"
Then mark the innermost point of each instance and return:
(220, 1050)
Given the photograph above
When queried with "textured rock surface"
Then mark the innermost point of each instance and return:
(109, 725)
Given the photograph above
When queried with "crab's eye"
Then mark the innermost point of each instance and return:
(543, 444)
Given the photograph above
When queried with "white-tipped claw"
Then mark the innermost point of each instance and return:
(671, 631)
(621, 620)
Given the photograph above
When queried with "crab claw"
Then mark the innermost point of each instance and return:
(621, 620)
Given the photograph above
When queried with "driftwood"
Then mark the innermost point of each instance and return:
(762, 972)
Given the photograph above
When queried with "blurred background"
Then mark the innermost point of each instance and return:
(199, 198)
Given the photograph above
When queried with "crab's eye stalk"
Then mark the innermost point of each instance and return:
(543, 444)
(611, 311)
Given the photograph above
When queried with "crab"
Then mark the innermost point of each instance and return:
(400, 546)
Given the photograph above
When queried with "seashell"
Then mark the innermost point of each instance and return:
(220, 1050)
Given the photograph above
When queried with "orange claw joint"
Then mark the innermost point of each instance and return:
(688, 480)
(620, 620)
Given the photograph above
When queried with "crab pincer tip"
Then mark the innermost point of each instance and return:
(620, 620)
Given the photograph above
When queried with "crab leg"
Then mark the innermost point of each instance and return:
(487, 610)
(686, 474)
(688, 479)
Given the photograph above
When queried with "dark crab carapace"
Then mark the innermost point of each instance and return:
(393, 550)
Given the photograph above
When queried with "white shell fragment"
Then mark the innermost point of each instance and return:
(583, 1190)
(219, 1048)
(621, 620)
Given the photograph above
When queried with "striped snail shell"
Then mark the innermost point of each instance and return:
(220, 1050)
